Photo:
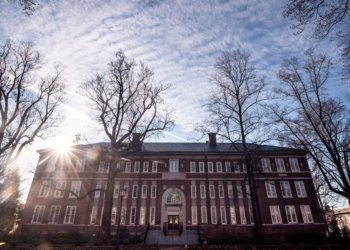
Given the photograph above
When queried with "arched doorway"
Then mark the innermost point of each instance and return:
(173, 208)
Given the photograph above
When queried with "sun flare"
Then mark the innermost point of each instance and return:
(61, 146)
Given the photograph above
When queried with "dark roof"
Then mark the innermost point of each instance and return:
(205, 147)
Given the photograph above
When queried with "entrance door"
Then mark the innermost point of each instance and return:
(173, 222)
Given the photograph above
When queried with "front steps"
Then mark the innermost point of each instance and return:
(189, 237)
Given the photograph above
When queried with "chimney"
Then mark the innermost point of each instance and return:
(136, 142)
(212, 139)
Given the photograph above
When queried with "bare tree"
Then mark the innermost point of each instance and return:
(127, 102)
(312, 120)
(28, 103)
(235, 111)
(28, 6)
(325, 16)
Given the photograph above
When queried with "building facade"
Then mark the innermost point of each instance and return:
(174, 185)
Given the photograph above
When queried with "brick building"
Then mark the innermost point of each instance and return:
(176, 185)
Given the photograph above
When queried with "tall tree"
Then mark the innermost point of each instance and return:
(235, 111)
(28, 102)
(313, 120)
(325, 16)
(127, 102)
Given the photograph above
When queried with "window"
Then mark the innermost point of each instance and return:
(233, 215)
(193, 191)
(97, 193)
(70, 215)
(143, 216)
(242, 215)
(45, 188)
(123, 216)
(101, 166)
(174, 166)
(126, 188)
(152, 215)
(201, 167)
(202, 189)
(113, 215)
(144, 192)
(299, 186)
(133, 215)
(134, 191)
(153, 191)
(79, 164)
(210, 167)
(230, 191)
(137, 167)
(275, 215)
(236, 167)
(266, 164)
(213, 215)
(154, 166)
(223, 215)
(285, 188)
(128, 167)
(192, 167)
(251, 215)
(280, 165)
(52, 165)
(306, 213)
(247, 189)
(54, 214)
(212, 191)
(173, 198)
(60, 186)
(219, 167)
(228, 167)
(294, 166)
(116, 190)
(93, 215)
(194, 215)
(75, 188)
(239, 190)
(270, 189)
(244, 168)
(204, 214)
(38, 214)
(145, 166)
(291, 214)
(221, 191)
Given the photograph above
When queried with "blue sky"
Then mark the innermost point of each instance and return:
(179, 40)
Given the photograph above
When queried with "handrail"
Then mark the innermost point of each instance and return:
(147, 229)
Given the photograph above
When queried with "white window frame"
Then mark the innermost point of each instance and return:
(223, 215)
(202, 191)
(44, 189)
(201, 167)
(153, 191)
(204, 215)
(247, 190)
(236, 167)
(134, 191)
(144, 192)
(60, 185)
(300, 188)
(145, 166)
(97, 193)
(38, 214)
(173, 166)
(152, 214)
(275, 215)
(219, 167)
(244, 168)
(193, 191)
(127, 167)
(271, 189)
(137, 167)
(75, 188)
(291, 214)
(265, 164)
(132, 217)
(233, 215)
(154, 167)
(193, 167)
(210, 167)
(116, 190)
(242, 215)
(239, 190)
(54, 214)
(280, 167)
(93, 216)
(194, 215)
(230, 191)
(126, 188)
(212, 191)
(251, 215)
(142, 215)
(213, 214)
(228, 168)
(285, 189)
(70, 215)
(114, 215)
(294, 165)
(80, 164)
(306, 214)
(101, 167)
(221, 191)
(123, 216)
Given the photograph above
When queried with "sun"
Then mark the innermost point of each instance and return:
(61, 146)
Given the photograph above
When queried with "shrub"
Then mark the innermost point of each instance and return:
(314, 238)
